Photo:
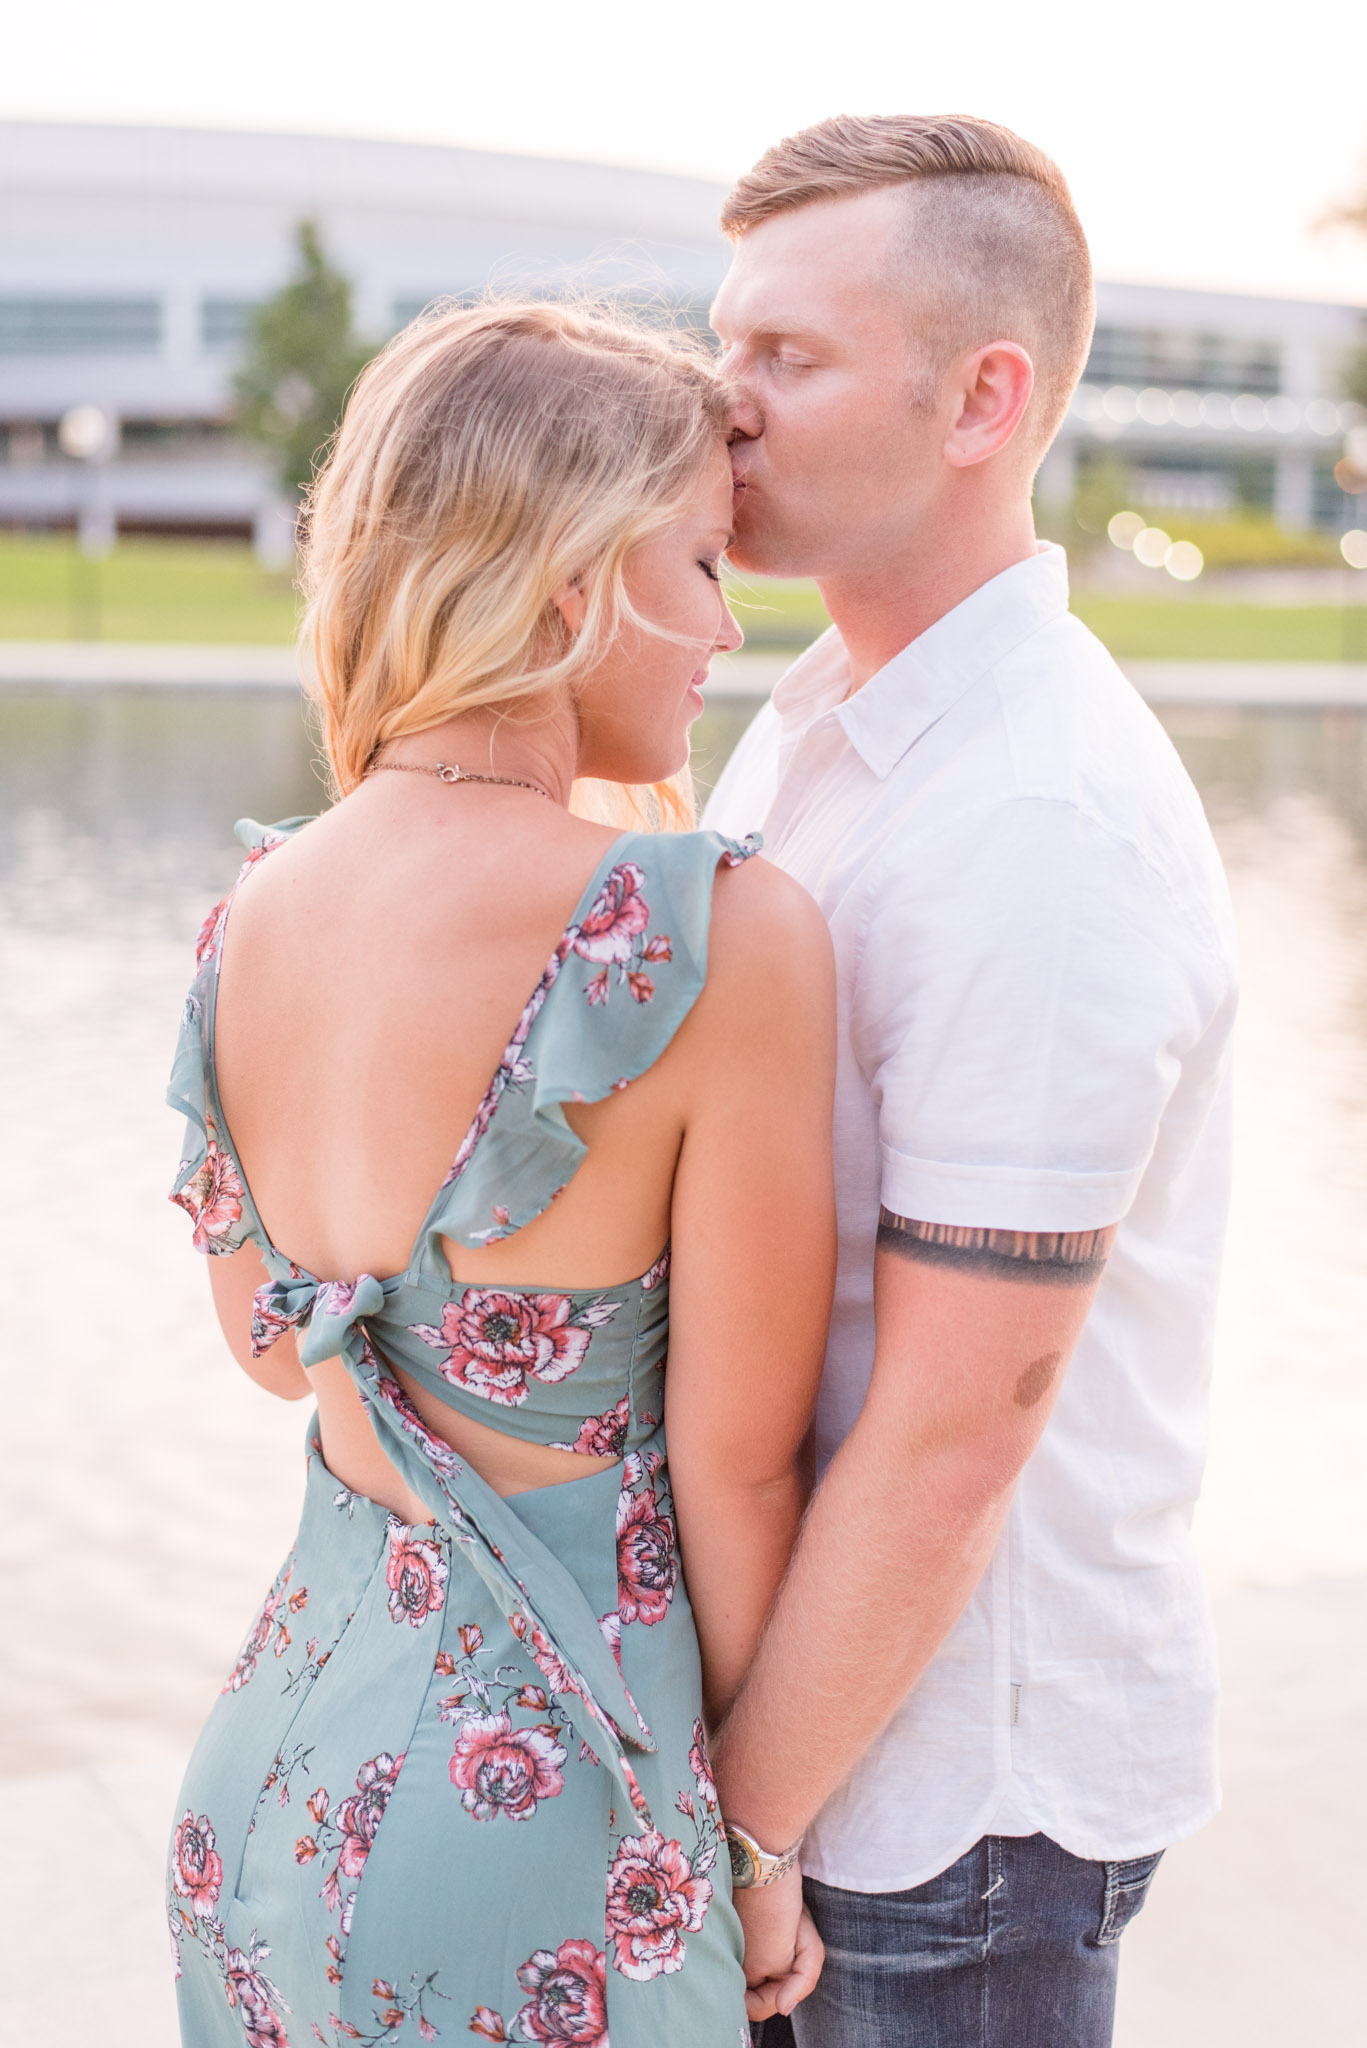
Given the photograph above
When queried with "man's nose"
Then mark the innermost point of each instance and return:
(744, 421)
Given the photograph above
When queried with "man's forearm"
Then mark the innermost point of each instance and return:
(890, 1553)
(975, 1330)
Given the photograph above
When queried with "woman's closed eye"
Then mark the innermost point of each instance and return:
(711, 569)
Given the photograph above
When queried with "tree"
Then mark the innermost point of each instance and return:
(1352, 214)
(303, 356)
(1355, 375)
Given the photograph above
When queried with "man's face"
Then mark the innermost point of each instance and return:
(835, 463)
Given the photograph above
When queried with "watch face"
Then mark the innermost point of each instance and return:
(743, 1872)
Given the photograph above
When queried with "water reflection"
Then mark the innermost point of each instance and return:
(117, 805)
(175, 1483)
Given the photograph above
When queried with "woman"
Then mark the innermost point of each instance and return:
(458, 1776)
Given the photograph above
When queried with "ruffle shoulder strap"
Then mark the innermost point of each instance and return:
(208, 1183)
(623, 977)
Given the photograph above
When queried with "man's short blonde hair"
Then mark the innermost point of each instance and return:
(993, 244)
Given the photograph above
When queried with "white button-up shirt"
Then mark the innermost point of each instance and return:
(1036, 981)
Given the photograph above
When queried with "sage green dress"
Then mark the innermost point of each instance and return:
(457, 1782)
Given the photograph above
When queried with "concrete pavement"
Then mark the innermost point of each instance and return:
(78, 664)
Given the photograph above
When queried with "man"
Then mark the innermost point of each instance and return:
(985, 1700)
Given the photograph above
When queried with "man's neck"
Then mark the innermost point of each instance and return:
(883, 606)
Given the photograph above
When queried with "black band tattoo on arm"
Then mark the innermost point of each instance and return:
(1054, 1258)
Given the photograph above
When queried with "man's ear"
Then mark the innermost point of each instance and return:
(993, 386)
(569, 601)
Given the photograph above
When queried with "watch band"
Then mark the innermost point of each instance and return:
(752, 1866)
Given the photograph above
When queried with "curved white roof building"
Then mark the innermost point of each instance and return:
(130, 259)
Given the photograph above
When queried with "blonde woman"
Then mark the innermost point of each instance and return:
(489, 1108)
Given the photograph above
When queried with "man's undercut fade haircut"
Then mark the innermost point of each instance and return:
(993, 247)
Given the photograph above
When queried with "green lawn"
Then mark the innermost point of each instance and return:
(215, 591)
(1176, 628)
(144, 590)
(1195, 629)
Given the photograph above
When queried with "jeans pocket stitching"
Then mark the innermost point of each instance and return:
(1127, 1885)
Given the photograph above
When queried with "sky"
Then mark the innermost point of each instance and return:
(1203, 141)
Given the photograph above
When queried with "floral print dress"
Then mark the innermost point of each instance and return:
(456, 1784)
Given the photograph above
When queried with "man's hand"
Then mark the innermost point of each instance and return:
(783, 1951)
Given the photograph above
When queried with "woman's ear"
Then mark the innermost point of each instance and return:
(570, 603)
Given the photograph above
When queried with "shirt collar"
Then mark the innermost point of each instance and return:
(907, 696)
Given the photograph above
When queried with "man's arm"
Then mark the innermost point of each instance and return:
(974, 1331)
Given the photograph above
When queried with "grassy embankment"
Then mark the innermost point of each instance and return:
(1161, 628)
(177, 590)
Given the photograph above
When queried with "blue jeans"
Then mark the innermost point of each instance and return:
(1014, 1946)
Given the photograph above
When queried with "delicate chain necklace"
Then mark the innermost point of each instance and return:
(455, 773)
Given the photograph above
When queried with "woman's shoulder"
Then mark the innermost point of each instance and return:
(757, 903)
(768, 948)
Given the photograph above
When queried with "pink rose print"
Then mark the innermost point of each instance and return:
(212, 1197)
(658, 1273)
(359, 1816)
(249, 1994)
(496, 1342)
(569, 2000)
(557, 1673)
(699, 1764)
(602, 1436)
(653, 1901)
(612, 934)
(268, 1324)
(647, 1566)
(269, 1623)
(210, 932)
(500, 1769)
(615, 919)
(336, 1296)
(416, 1577)
(196, 1866)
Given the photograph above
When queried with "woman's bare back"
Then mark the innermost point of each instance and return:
(371, 976)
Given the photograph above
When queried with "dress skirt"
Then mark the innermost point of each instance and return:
(396, 1825)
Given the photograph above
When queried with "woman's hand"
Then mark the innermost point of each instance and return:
(783, 1951)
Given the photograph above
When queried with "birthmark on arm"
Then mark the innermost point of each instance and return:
(1035, 1382)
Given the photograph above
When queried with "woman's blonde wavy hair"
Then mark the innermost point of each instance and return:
(490, 455)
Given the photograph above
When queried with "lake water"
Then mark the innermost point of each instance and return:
(151, 1488)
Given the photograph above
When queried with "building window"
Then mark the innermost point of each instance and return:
(32, 326)
(1330, 506)
(225, 324)
(1141, 356)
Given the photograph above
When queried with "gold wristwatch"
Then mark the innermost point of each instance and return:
(752, 1866)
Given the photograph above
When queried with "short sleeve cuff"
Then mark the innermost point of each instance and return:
(1004, 1197)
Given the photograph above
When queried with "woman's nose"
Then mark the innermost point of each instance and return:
(730, 637)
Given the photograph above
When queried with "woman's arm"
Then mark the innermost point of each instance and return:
(753, 1233)
(233, 1279)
